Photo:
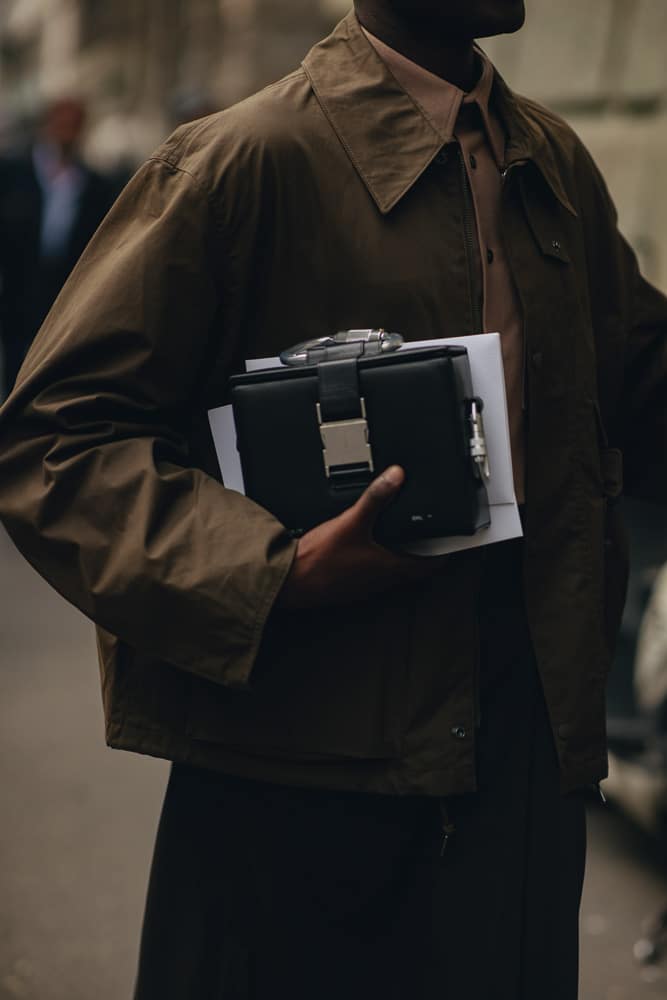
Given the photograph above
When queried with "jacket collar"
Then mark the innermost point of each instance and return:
(387, 136)
(527, 140)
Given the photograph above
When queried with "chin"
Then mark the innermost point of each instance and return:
(462, 18)
(504, 17)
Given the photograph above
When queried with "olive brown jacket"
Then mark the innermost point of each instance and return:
(328, 201)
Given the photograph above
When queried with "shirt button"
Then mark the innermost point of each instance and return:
(564, 730)
(441, 158)
(473, 161)
(556, 245)
(459, 732)
(489, 255)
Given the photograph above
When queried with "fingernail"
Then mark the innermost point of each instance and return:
(393, 476)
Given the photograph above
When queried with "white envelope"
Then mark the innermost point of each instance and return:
(488, 381)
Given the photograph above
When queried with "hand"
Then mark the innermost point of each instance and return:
(338, 561)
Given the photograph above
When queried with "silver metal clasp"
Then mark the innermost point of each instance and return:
(477, 441)
(344, 344)
(345, 442)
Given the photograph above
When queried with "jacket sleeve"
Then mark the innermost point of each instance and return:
(630, 320)
(643, 400)
(97, 488)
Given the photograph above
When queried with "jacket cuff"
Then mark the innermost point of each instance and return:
(238, 672)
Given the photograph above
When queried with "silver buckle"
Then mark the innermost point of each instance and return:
(345, 442)
(478, 450)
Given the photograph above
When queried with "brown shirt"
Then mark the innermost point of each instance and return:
(471, 120)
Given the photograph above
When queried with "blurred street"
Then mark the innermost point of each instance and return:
(79, 820)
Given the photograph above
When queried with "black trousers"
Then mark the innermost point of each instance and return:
(259, 891)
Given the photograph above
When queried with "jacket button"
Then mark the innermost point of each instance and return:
(556, 245)
(536, 358)
(459, 732)
(564, 730)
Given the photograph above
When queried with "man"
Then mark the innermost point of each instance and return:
(381, 761)
(51, 203)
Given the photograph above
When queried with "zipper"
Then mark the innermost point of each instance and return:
(469, 232)
(448, 827)
(509, 167)
(504, 174)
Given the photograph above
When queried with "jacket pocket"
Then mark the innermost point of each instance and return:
(327, 683)
(544, 215)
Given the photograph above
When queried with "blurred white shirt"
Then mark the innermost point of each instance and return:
(61, 184)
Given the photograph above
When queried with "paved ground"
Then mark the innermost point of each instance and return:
(626, 880)
(78, 819)
(78, 823)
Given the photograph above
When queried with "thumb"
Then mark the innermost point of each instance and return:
(377, 496)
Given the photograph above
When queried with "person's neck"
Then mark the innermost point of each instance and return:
(454, 61)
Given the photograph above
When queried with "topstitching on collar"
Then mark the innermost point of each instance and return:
(387, 135)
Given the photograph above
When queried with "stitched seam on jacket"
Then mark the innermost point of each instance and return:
(177, 168)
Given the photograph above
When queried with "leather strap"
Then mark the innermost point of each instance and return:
(340, 399)
(339, 390)
(350, 477)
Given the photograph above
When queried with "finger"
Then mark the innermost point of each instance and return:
(363, 513)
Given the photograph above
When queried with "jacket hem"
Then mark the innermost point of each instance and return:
(381, 777)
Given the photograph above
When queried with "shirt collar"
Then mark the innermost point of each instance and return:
(440, 100)
(388, 134)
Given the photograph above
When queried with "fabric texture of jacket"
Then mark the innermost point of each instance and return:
(328, 201)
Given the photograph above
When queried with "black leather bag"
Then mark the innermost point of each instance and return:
(312, 438)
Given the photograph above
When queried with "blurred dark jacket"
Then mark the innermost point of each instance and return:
(328, 201)
(30, 280)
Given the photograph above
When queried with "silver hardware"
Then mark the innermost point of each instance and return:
(477, 441)
(345, 344)
(345, 442)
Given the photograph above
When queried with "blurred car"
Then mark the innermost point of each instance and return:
(637, 690)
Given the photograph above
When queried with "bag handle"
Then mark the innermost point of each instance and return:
(344, 344)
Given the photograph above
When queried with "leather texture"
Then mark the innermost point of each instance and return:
(416, 411)
(339, 392)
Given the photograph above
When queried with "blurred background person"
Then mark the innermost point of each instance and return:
(51, 203)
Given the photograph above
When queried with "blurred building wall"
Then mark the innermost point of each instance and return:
(601, 63)
(142, 64)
